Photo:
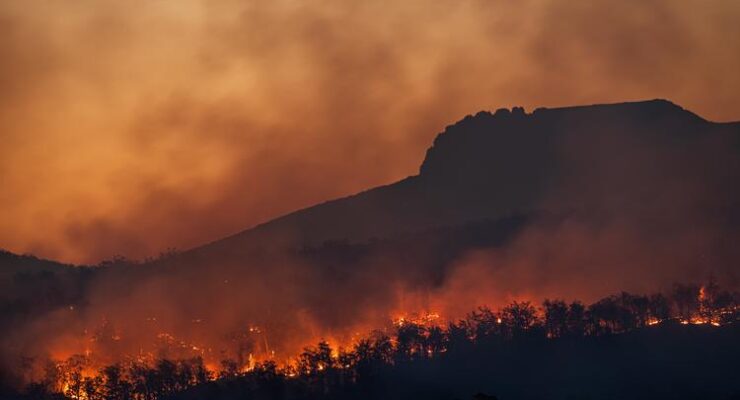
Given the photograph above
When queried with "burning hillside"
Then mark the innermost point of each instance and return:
(572, 203)
(176, 365)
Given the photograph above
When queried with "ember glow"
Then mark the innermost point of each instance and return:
(318, 193)
(414, 335)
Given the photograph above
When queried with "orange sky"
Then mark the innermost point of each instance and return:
(131, 127)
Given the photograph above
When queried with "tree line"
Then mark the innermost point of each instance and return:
(321, 370)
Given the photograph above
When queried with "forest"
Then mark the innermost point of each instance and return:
(679, 344)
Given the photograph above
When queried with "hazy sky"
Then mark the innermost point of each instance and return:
(130, 127)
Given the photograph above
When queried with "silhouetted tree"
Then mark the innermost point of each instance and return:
(229, 368)
(92, 387)
(686, 299)
(315, 359)
(556, 318)
(576, 319)
(410, 341)
(726, 306)
(270, 382)
(483, 323)
(145, 381)
(266, 370)
(382, 350)
(639, 309)
(166, 372)
(658, 307)
(198, 371)
(115, 387)
(605, 315)
(436, 341)
(457, 336)
(519, 317)
(631, 311)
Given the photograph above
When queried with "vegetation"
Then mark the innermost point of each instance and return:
(508, 351)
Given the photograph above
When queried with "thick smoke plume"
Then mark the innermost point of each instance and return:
(129, 130)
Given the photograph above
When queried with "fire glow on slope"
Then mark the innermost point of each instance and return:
(251, 348)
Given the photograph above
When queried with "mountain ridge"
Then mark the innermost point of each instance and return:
(528, 201)
(485, 148)
(456, 181)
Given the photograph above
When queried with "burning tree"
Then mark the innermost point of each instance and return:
(410, 340)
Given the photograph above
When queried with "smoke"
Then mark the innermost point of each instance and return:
(129, 130)
(630, 210)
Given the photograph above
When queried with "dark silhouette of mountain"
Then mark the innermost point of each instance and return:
(641, 159)
(490, 166)
(651, 166)
(486, 177)
(494, 165)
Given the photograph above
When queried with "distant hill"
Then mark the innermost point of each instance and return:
(11, 264)
(32, 286)
(495, 165)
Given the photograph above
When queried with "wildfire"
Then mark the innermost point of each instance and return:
(427, 319)
(415, 335)
(701, 321)
(250, 364)
(708, 312)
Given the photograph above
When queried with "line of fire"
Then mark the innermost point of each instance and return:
(175, 365)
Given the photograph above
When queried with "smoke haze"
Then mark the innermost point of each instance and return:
(131, 128)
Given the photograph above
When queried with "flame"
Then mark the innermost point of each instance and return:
(424, 319)
(253, 348)
(706, 314)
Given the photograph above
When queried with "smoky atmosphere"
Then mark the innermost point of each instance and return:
(444, 200)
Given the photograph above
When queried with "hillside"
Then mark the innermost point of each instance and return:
(576, 202)
(494, 165)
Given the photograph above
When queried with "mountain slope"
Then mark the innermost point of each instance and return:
(490, 166)
(573, 202)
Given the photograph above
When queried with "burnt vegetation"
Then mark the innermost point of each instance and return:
(680, 344)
